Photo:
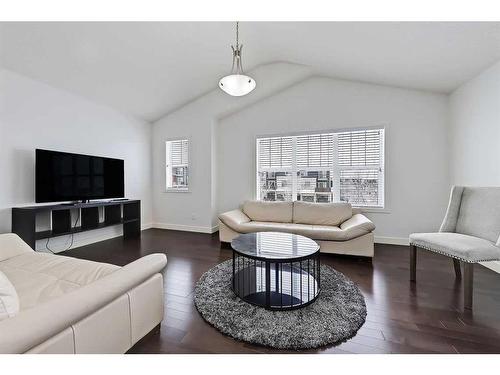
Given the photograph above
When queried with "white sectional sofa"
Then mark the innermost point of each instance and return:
(335, 226)
(68, 305)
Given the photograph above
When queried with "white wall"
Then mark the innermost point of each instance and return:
(223, 129)
(475, 130)
(196, 209)
(424, 155)
(475, 133)
(417, 179)
(35, 115)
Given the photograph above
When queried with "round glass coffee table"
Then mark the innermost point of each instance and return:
(278, 271)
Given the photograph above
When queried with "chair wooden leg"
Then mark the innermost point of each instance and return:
(458, 271)
(468, 285)
(413, 263)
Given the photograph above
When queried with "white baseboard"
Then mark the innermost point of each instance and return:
(392, 240)
(147, 226)
(189, 228)
(186, 228)
(83, 239)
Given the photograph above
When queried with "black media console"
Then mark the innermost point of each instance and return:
(125, 212)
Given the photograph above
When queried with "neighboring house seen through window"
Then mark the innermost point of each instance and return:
(177, 165)
(344, 166)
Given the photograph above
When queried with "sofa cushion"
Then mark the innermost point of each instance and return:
(330, 233)
(12, 245)
(315, 232)
(9, 300)
(461, 246)
(321, 213)
(39, 277)
(264, 226)
(277, 212)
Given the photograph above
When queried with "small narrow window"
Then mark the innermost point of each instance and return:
(177, 165)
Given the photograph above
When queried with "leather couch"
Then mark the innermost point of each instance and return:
(70, 305)
(337, 227)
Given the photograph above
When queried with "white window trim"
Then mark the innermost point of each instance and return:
(190, 167)
(370, 209)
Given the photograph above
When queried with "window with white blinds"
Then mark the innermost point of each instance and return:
(314, 150)
(177, 164)
(331, 167)
(276, 152)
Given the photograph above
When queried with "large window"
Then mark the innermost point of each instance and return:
(177, 165)
(328, 167)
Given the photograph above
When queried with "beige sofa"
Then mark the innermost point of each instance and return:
(70, 305)
(335, 226)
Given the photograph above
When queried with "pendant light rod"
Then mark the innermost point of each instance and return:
(237, 53)
(237, 33)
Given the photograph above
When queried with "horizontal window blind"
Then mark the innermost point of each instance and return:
(315, 150)
(275, 152)
(359, 148)
(179, 152)
(345, 166)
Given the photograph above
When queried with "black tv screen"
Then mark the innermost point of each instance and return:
(61, 176)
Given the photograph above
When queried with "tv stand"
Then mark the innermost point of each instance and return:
(124, 212)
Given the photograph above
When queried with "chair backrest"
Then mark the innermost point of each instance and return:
(475, 211)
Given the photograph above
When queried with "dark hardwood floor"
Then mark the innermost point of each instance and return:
(426, 317)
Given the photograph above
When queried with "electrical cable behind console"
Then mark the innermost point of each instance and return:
(72, 236)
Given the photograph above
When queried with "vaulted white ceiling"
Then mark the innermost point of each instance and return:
(149, 69)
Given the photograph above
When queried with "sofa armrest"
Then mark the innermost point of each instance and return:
(233, 219)
(358, 225)
(12, 245)
(357, 210)
(36, 325)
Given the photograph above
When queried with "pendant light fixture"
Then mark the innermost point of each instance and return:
(237, 83)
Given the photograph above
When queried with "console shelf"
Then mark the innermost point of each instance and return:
(124, 212)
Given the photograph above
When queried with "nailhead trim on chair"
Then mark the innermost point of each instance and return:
(452, 256)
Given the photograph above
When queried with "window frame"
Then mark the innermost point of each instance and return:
(189, 166)
(336, 169)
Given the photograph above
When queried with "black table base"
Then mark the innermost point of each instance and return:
(277, 285)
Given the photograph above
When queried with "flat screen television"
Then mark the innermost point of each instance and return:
(62, 176)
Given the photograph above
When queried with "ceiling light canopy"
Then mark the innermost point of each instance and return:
(237, 83)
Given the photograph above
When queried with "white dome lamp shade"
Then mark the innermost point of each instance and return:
(237, 83)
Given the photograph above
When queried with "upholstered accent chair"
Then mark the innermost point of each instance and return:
(470, 233)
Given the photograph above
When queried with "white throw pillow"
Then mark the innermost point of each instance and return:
(9, 300)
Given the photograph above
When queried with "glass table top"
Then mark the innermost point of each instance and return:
(274, 246)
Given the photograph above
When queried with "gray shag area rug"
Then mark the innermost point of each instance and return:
(334, 317)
